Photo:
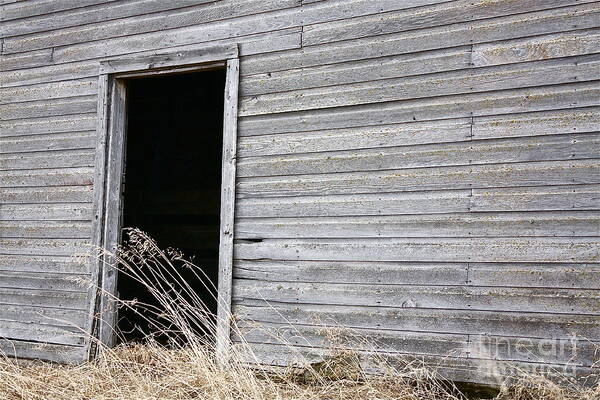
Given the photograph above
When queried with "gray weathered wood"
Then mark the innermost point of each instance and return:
(23, 9)
(538, 73)
(352, 272)
(503, 323)
(581, 276)
(42, 194)
(581, 250)
(446, 201)
(538, 148)
(418, 344)
(60, 124)
(358, 71)
(43, 264)
(40, 281)
(60, 141)
(41, 333)
(50, 177)
(199, 13)
(443, 131)
(482, 370)
(509, 27)
(536, 275)
(30, 350)
(580, 197)
(54, 230)
(554, 97)
(72, 300)
(48, 108)
(44, 247)
(42, 315)
(228, 187)
(434, 178)
(82, 15)
(54, 90)
(142, 63)
(65, 158)
(411, 154)
(567, 301)
(537, 123)
(109, 175)
(562, 44)
(443, 14)
(554, 223)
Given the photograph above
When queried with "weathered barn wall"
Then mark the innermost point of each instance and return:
(422, 171)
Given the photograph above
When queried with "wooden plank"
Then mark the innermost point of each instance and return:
(512, 76)
(41, 351)
(368, 137)
(45, 212)
(580, 276)
(585, 276)
(141, 63)
(43, 264)
(45, 142)
(50, 229)
(23, 9)
(62, 159)
(508, 27)
(359, 340)
(119, 29)
(33, 126)
(53, 90)
(48, 108)
(49, 73)
(107, 216)
(434, 178)
(537, 123)
(25, 60)
(579, 197)
(42, 315)
(74, 300)
(50, 177)
(564, 44)
(253, 44)
(552, 223)
(227, 225)
(46, 247)
(537, 148)
(543, 250)
(567, 301)
(104, 11)
(572, 352)
(485, 371)
(95, 266)
(259, 22)
(458, 106)
(501, 323)
(446, 201)
(352, 272)
(442, 14)
(37, 281)
(357, 71)
(41, 194)
(41, 333)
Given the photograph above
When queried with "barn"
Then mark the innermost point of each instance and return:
(422, 172)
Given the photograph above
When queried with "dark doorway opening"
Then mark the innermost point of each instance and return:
(172, 179)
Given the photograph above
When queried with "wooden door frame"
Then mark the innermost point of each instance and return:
(110, 154)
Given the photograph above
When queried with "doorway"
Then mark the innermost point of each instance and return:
(171, 181)
(162, 119)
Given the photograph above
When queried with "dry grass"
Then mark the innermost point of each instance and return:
(186, 367)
